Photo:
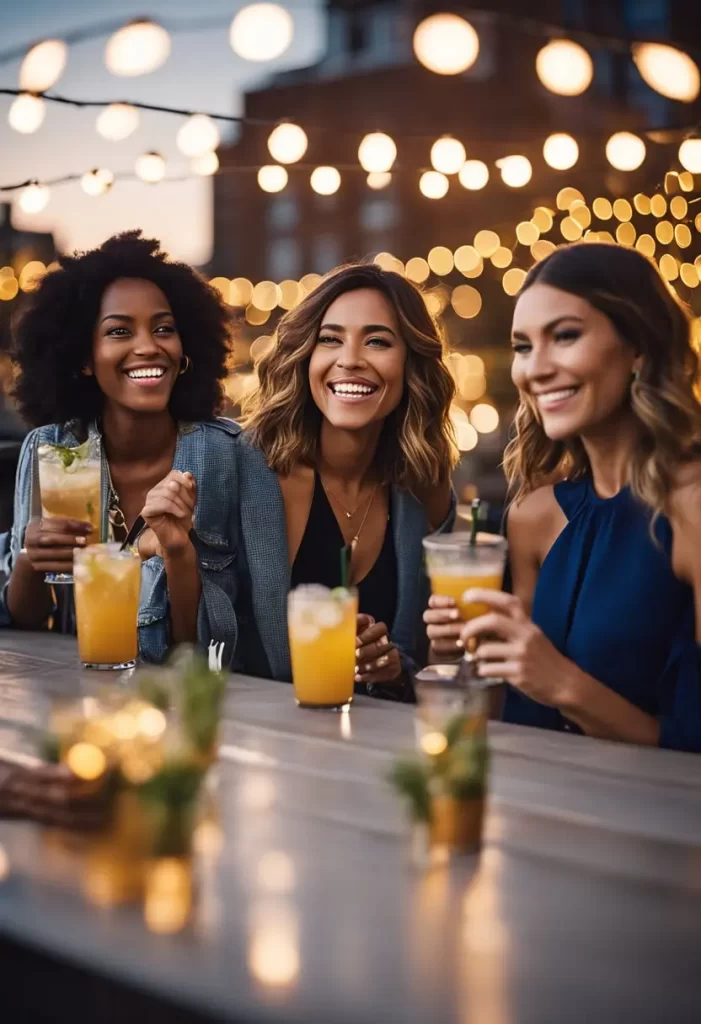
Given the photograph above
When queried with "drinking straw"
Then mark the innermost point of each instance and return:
(475, 517)
(345, 561)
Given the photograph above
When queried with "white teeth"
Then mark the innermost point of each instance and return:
(352, 389)
(152, 371)
(556, 396)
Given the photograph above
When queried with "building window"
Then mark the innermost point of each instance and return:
(282, 213)
(378, 214)
(284, 259)
(326, 253)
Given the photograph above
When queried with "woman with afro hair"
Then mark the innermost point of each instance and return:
(126, 346)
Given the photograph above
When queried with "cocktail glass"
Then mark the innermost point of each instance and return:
(70, 482)
(456, 566)
(107, 583)
(322, 627)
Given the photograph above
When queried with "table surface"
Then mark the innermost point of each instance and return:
(584, 905)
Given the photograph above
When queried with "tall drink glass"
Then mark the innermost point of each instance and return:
(107, 583)
(70, 482)
(323, 628)
(455, 566)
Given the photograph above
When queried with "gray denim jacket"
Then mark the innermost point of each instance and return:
(208, 451)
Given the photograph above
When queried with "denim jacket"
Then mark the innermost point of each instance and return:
(208, 451)
(264, 572)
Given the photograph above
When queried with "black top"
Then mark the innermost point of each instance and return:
(319, 561)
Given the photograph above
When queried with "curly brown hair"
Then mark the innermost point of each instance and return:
(417, 447)
(627, 288)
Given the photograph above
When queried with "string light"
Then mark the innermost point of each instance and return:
(658, 205)
(440, 260)
(205, 165)
(447, 155)
(261, 32)
(527, 233)
(378, 180)
(625, 151)
(642, 204)
(622, 210)
(34, 198)
(502, 257)
(43, 65)
(667, 70)
(197, 136)
(581, 214)
(138, 48)
(686, 181)
(291, 294)
(664, 232)
(516, 171)
(97, 182)
(150, 167)
(687, 273)
(512, 280)
(325, 180)
(682, 236)
(467, 259)
(287, 143)
(560, 151)
(626, 234)
(690, 155)
(646, 245)
(466, 301)
(27, 113)
(564, 68)
(542, 248)
(602, 208)
(566, 197)
(272, 178)
(377, 153)
(473, 175)
(417, 270)
(668, 267)
(679, 207)
(465, 433)
(240, 292)
(484, 418)
(266, 295)
(433, 184)
(487, 243)
(543, 219)
(446, 44)
(571, 231)
(117, 121)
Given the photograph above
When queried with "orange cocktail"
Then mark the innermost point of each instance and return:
(70, 483)
(107, 584)
(456, 566)
(323, 628)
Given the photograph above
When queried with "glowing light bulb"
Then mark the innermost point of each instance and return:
(261, 32)
(484, 418)
(378, 180)
(138, 48)
(433, 184)
(625, 151)
(150, 167)
(690, 155)
(669, 71)
(447, 155)
(97, 182)
(287, 143)
(272, 178)
(198, 135)
(34, 198)
(205, 165)
(446, 44)
(564, 67)
(325, 180)
(473, 175)
(516, 171)
(560, 151)
(377, 153)
(43, 65)
(117, 122)
(26, 113)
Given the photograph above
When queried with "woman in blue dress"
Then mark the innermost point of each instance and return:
(601, 634)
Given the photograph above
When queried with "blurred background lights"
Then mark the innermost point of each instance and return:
(440, 260)
(543, 219)
(567, 196)
(417, 269)
(487, 243)
(325, 180)
(682, 236)
(512, 280)
(266, 295)
(150, 167)
(43, 65)
(625, 151)
(467, 258)
(669, 267)
(664, 232)
(26, 113)
(240, 291)
(646, 245)
(484, 418)
(622, 210)
(446, 44)
(516, 171)
(564, 67)
(502, 257)
(678, 207)
(287, 143)
(465, 433)
(34, 198)
(447, 155)
(261, 32)
(690, 155)
(205, 165)
(117, 122)
(669, 71)
(198, 135)
(473, 175)
(272, 178)
(602, 208)
(138, 48)
(658, 205)
(377, 180)
(560, 151)
(466, 301)
(31, 274)
(433, 184)
(97, 182)
(377, 153)
(527, 233)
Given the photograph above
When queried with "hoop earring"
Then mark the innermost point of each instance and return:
(186, 367)
(636, 376)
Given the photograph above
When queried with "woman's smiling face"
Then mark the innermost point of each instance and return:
(356, 371)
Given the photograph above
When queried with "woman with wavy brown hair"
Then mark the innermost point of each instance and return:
(601, 634)
(347, 442)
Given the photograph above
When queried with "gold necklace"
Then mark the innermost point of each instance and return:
(330, 494)
(354, 541)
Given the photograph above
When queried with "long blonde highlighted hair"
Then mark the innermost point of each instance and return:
(417, 447)
(625, 286)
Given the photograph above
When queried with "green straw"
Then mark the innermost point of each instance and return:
(475, 517)
(345, 561)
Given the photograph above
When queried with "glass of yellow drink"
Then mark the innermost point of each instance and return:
(322, 627)
(456, 566)
(107, 583)
(70, 482)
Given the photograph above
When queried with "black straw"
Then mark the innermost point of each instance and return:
(475, 517)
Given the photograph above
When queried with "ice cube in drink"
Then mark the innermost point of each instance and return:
(70, 481)
(322, 626)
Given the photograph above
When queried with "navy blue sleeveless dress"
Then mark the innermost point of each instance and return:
(608, 600)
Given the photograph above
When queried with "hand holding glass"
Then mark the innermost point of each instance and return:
(70, 482)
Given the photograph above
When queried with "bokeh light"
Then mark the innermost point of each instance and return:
(682, 236)
(291, 294)
(433, 184)
(678, 207)
(266, 295)
(43, 65)
(626, 234)
(625, 151)
(26, 114)
(658, 205)
(240, 292)
(205, 165)
(261, 32)
(687, 273)
(622, 210)
(690, 155)
(564, 67)
(570, 230)
(516, 170)
(467, 258)
(487, 243)
(465, 434)
(447, 155)
(417, 269)
(378, 180)
(668, 267)
(97, 182)
(473, 175)
(198, 135)
(287, 143)
(325, 180)
(150, 167)
(440, 260)
(642, 204)
(542, 248)
(602, 208)
(466, 301)
(664, 232)
(669, 71)
(512, 280)
(34, 198)
(117, 122)
(272, 178)
(484, 418)
(646, 245)
(543, 219)
(138, 48)
(527, 233)
(560, 151)
(446, 44)
(502, 258)
(377, 153)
